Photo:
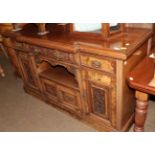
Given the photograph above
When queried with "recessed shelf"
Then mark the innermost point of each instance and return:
(60, 75)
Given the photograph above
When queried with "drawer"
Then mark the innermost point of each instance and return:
(61, 56)
(104, 64)
(31, 48)
(54, 54)
(100, 78)
(18, 45)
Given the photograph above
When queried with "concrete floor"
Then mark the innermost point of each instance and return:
(22, 112)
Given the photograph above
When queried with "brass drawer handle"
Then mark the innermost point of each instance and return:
(37, 51)
(57, 55)
(96, 64)
(18, 45)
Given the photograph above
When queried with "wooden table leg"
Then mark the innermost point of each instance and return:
(141, 111)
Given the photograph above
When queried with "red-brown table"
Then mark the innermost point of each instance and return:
(139, 79)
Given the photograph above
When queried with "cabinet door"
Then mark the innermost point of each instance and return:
(50, 90)
(99, 100)
(70, 99)
(101, 97)
(28, 74)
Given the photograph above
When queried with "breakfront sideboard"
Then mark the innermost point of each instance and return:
(83, 74)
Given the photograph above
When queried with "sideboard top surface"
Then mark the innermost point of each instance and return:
(120, 46)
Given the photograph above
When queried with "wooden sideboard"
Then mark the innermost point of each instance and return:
(85, 77)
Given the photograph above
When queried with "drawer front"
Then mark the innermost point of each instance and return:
(97, 63)
(100, 78)
(54, 54)
(70, 99)
(28, 48)
(50, 90)
(61, 56)
(18, 45)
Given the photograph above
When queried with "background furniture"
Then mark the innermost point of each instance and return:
(139, 79)
(9, 53)
(2, 49)
(2, 71)
(85, 76)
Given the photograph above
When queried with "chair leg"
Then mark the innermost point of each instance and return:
(2, 71)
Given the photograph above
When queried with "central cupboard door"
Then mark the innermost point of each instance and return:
(50, 90)
(70, 99)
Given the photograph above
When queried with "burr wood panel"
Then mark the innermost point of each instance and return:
(83, 76)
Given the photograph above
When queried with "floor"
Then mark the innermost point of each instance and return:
(22, 112)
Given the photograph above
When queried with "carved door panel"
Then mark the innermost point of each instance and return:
(28, 74)
(99, 98)
(50, 90)
(70, 99)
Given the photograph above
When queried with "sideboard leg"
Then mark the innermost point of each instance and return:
(141, 111)
(2, 71)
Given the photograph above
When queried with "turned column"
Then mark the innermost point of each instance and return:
(42, 28)
(141, 111)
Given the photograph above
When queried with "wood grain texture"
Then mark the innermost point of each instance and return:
(141, 111)
(84, 76)
(140, 25)
(139, 79)
(141, 82)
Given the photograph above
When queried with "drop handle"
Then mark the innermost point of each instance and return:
(96, 64)
(57, 55)
(37, 51)
(18, 45)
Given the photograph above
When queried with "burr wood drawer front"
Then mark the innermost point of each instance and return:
(100, 78)
(103, 64)
(59, 55)
(35, 50)
(55, 54)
